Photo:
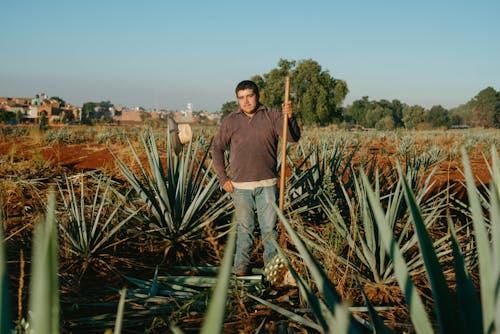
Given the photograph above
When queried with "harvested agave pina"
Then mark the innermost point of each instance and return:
(278, 274)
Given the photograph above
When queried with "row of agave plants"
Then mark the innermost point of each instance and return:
(388, 223)
(366, 221)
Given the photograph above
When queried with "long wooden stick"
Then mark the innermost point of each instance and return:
(283, 147)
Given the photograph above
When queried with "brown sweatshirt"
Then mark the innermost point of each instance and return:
(252, 143)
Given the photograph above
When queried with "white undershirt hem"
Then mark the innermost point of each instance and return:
(255, 184)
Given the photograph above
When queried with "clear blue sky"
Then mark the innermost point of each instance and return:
(164, 54)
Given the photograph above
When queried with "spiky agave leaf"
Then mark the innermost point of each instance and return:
(488, 252)
(495, 237)
(445, 308)
(287, 313)
(214, 318)
(417, 310)
(332, 314)
(44, 287)
(119, 312)
(323, 315)
(468, 303)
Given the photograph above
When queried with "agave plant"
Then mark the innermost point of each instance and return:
(90, 225)
(44, 308)
(351, 219)
(463, 312)
(313, 176)
(362, 235)
(459, 312)
(182, 197)
(331, 314)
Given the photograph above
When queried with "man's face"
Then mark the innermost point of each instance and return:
(247, 100)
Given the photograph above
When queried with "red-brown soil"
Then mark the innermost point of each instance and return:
(83, 157)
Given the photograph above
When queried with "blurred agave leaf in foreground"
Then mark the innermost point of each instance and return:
(44, 287)
(5, 316)
(487, 237)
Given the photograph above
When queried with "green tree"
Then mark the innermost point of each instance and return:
(271, 85)
(44, 121)
(7, 116)
(392, 109)
(357, 110)
(486, 108)
(62, 103)
(461, 115)
(92, 111)
(397, 113)
(3, 115)
(319, 96)
(228, 108)
(413, 116)
(88, 110)
(370, 113)
(19, 117)
(340, 91)
(377, 113)
(438, 116)
(316, 95)
(386, 123)
(495, 114)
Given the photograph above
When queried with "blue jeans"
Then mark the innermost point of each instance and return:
(246, 202)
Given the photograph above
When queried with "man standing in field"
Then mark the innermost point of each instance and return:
(250, 134)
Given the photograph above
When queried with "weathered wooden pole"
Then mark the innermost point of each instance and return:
(283, 147)
(282, 238)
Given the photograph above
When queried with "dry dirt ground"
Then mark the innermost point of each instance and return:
(82, 157)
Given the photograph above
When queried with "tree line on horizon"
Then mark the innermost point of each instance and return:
(483, 110)
(318, 99)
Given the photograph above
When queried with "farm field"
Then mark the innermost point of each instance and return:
(130, 214)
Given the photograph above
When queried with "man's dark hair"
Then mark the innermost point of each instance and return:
(246, 84)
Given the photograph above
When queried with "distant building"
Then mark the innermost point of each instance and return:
(33, 108)
(138, 115)
(188, 113)
(130, 116)
(57, 112)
